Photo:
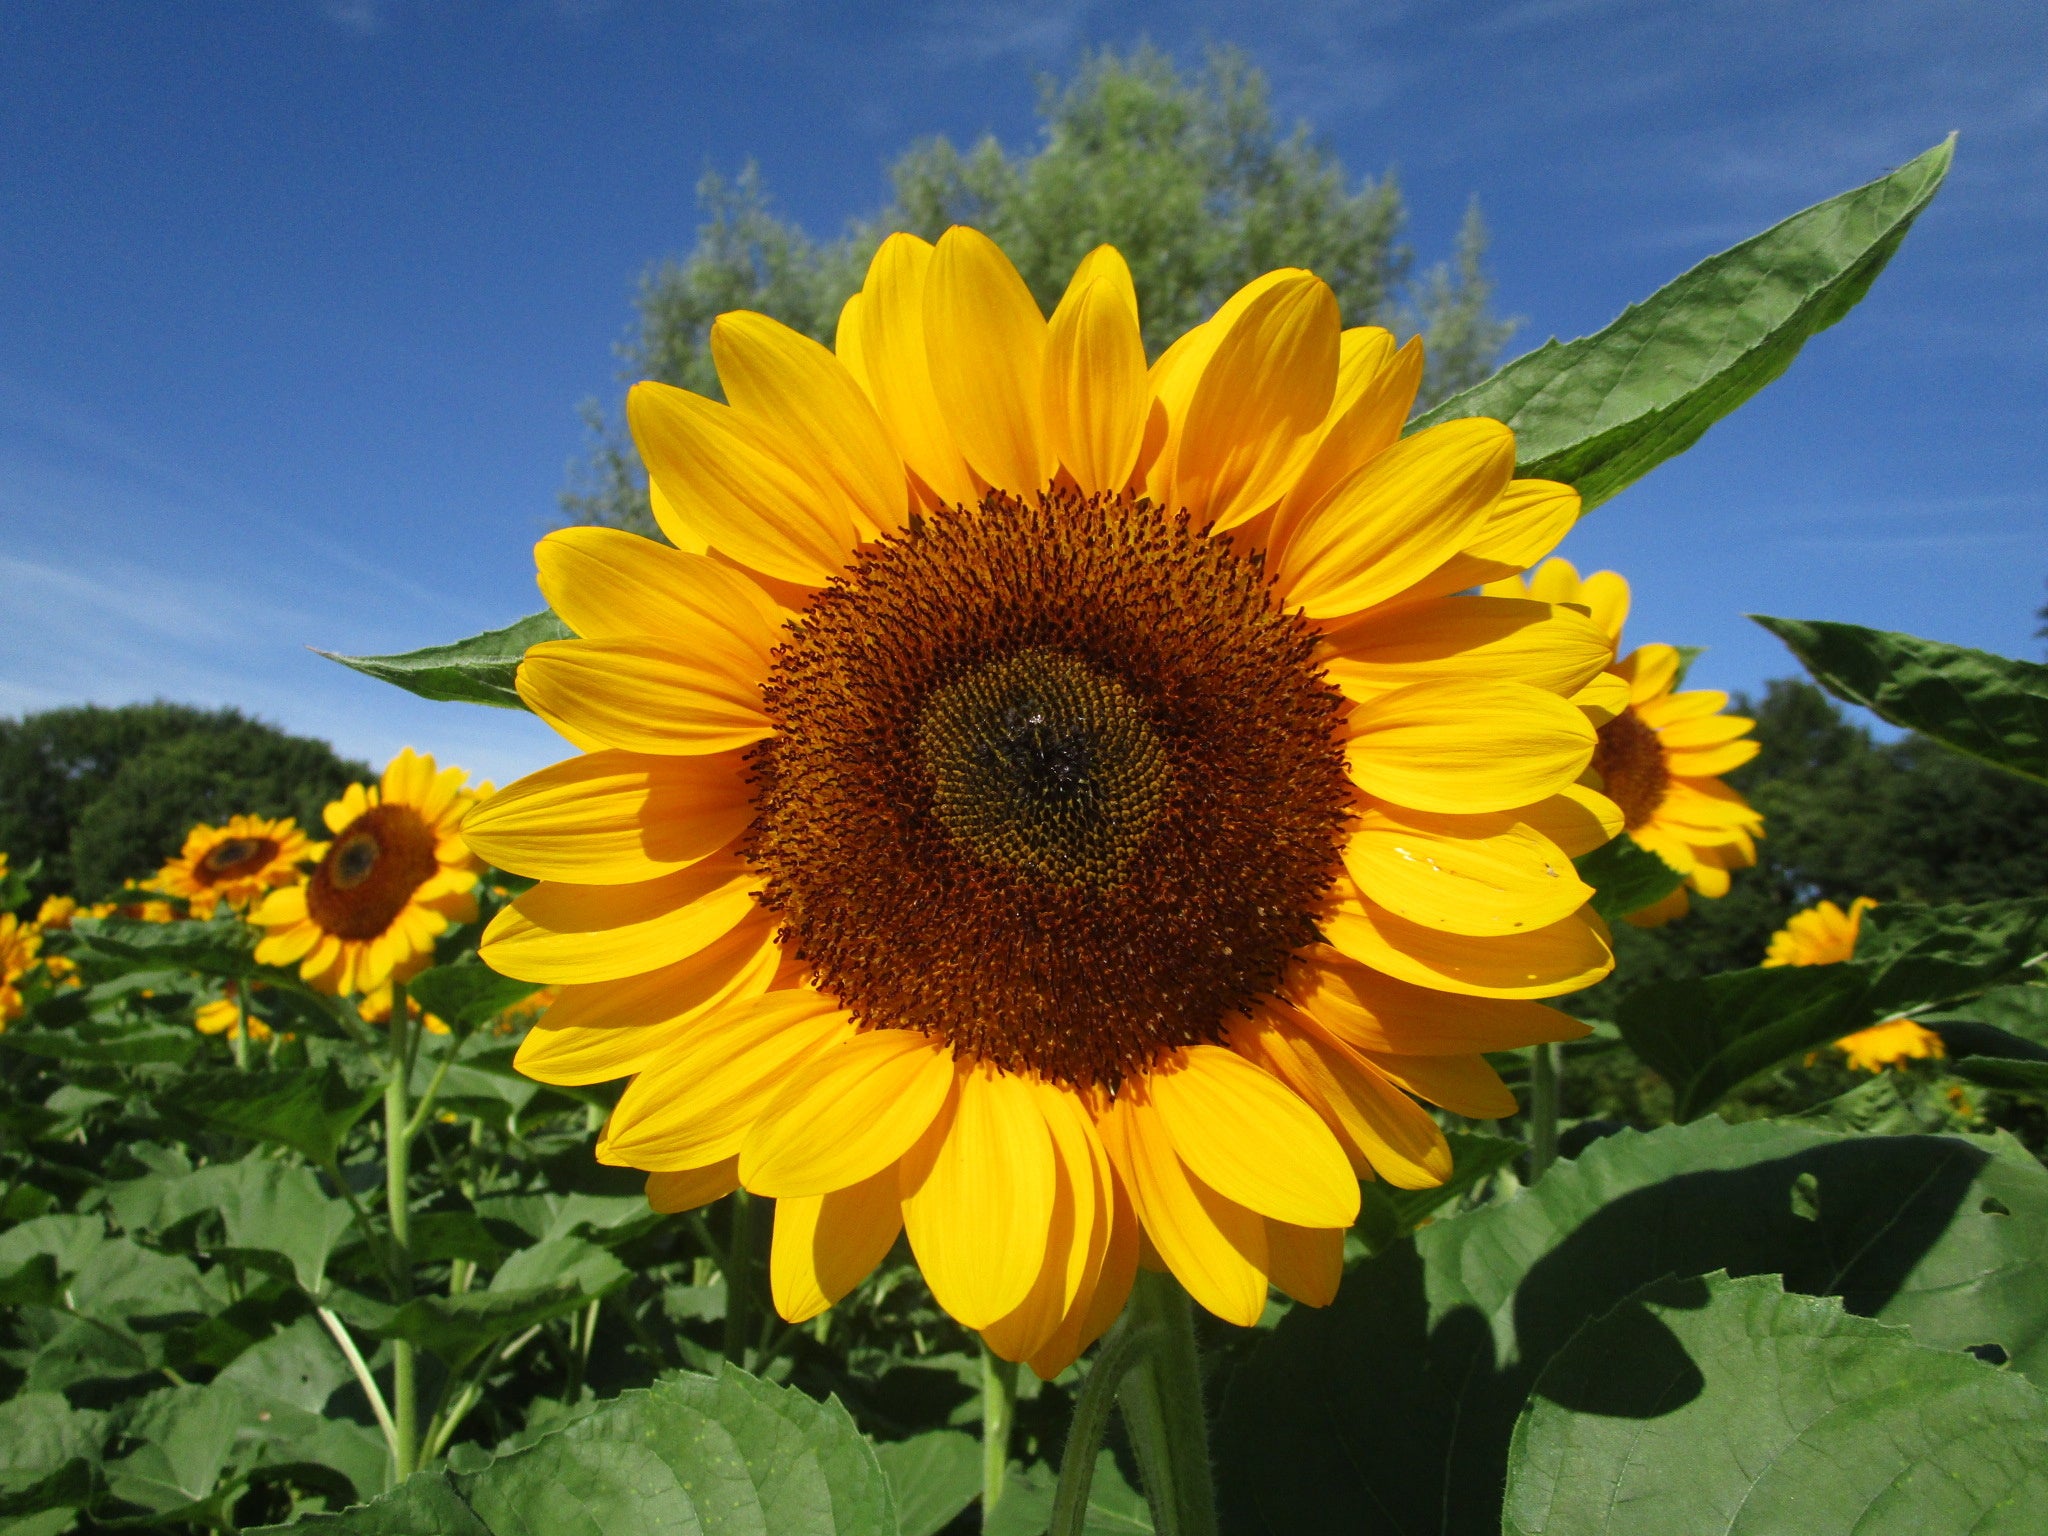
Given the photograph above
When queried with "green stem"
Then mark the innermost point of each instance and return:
(425, 1107)
(1543, 1065)
(242, 1024)
(1161, 1398)
(405, 1402)
(739, 1278)
(998, 1413)
(1120, 1351)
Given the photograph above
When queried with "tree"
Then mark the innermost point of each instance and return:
(1186, 174)
(102, 796)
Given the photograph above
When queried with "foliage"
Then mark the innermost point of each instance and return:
(1187, 174)
(102, 796)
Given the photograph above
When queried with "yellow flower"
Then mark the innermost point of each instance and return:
(375, 1007)
(56, 912)
(1826, 935)
(236, 864)
(1069, 810)
(222, 1016)
(19, 945)
(396, 876)
(141, 907)
(1661, 753)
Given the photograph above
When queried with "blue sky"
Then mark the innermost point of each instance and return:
(297, 299)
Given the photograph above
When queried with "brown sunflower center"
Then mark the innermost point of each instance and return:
(236, 857)
(370, 872)
(1054, 781)
(1630, 758)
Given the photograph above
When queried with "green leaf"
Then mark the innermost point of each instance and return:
(188, 1437)
(2008, 1074)
(116, 1045)
(478, 670)
(218, 947)
(468, 993)
(725, 1456)
(1729, 1406)
(265, 1207)
(1933, 955)
(1984, 706)
(932, 1477)
(49, 1455)
(1400, 1397)
(32, 1283)
(1626, 877)
(534, 1285)
(1387, 1214)
(1603, 411)
(310, 1111)
(1115, 1508)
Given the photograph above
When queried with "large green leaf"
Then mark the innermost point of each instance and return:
(721, 1455)
(1626, 877)
(186, 1439)
(1729, 1406)
(1387, 1214)
(49, 1455)
(1708, 1035)
(108, 1044)
(1391, 1409)
(479, 670)
(264, 1207)
(468, 993)
(311, 1110)
(1115, 1508)
(1988, 707)
(1603, 411)
(217, 947)
(932, 1477)
(538, 1283)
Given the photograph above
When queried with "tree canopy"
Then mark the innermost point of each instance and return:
(1187, 173)
(102, 796)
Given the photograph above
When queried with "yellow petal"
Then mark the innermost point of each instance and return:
(1464, 874)
(1396, 519)
(732, 482)
(1384, 1130)
(1213, 1246)
(1307, 1262)
(1502, 638)
(889, 325)
(848, 1115)
(696, 1105)
(1708, 881)
(1465, 1085)
(1267, 381)
(559, 932)
(644, 696)
(610, 818)
(1252, 1141)
(1467, 746)
(1374, 1013)
(687, 1189)
(1650, 670)
(1077, 1238)
(978, 1197)
(985, 344)
(1674, 707)
(1603, 698)
(740, 965)
(788, 382)
(1524, 525)
(1376, 385)
(1096, 1308)
(1708, 762)
(1576, 818)
(1548, 962)
(825, 1245)
(607, 584)
(1706, 804)
(1707, 731)
(1096, 398)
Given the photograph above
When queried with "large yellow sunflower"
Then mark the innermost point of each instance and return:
(1824, 934)
(395, 877)
(1661, 753)
(236, 864)
(20, 943)
(1052, 806)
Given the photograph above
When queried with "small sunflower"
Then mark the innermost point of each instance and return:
(395, 877)
(375, 1007)
(223, 1016)
(1661, 753)
(236, 864)
(1826, 935)
(1050, 806)
(20, 943)
(56, 912)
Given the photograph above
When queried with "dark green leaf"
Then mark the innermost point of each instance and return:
(1399, 1398)
(1387, 1214)
(534, 1285)
(1115, 1508)
(187, 1437)
(32, 1283)
(1931, 955)
(932, 1478)
(1988, 707)
(478, 670)
(2005, 1073)
(468, 993)
(1626, 877)
(1603, 411)
(1726, 1405)
(49, 1454)
(310, 1111)
(724, 1456)
(264, 1207)
(220, 947)
(123, 1045)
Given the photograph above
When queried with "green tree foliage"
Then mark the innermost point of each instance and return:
(105, 795)
(1186, 173)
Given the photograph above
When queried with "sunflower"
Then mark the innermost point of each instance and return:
(236, 864)
(395, 877)
(1826, 935)
(375, 1008)
(223, 1016)
(56, 912)
(1052, 807)
(20, 943)
(1661, 753)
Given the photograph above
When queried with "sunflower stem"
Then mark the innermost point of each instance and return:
(1543, 1066)
(998, 1413)
(739, 1278)
(398, 1134)
(1161, 1398)
(242, 1024)
(1121, 1350)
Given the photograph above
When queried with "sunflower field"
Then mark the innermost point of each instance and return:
(1065, 982)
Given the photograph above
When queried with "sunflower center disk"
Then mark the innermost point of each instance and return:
(237, 856)
(370, 872)
(1056, 781)
(1630, 758)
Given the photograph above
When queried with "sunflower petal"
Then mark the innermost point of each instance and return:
(1710, 762)
(1376, 385)
(985, 346)
(848, 1115)
(825, 1245)
(688, 1188)
(1244, 1135)
(1376, 1014)
(1463, 874)
(1650, 670)
(889, 325)
(1307, 1262)
(1547, 962)
(607, 584)
(643, 696)
(1096, 397)
(1463, 747)
(1463, 1084)
(1498, 638)
(1076, 1240)
(558, 932)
